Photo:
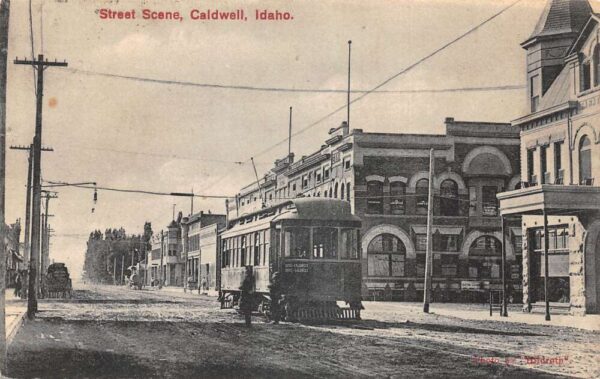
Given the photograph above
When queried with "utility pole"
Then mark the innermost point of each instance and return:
(4, 15)
(27, 243)
(429, 254)
(40, 65)
(162, 253)
(45, 251)
(122, 269)
(504, 312)
(115, 270)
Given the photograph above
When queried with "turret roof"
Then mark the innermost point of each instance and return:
(561, 17)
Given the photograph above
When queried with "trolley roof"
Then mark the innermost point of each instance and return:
(319, 209)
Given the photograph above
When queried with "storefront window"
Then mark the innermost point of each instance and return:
(386, 256)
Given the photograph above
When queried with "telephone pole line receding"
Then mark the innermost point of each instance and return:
(40, 66)
(45, 253)
(28, 198)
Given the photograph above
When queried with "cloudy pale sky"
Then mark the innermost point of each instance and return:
(138, 134)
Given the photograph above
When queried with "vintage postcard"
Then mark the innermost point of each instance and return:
(299, 189)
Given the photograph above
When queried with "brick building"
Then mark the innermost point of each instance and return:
(385, 178)
(199, 246)
(560, 158)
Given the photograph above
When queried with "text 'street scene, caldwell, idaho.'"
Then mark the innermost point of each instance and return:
(299, 189)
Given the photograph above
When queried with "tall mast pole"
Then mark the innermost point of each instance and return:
(428, 256)
(348, 94)
(290, 134)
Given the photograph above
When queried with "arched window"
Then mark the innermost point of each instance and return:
(375, 197)
(422, 191)
(348, 191)
(485, 258)
(335, 190)
(449, 198)
(397, 192)
(386, 256)
(342, 192)
(585, 160)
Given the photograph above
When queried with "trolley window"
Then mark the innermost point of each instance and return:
(297, 242)
(349, 244)
(325, 241)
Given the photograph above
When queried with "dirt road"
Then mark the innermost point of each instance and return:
(115, 332)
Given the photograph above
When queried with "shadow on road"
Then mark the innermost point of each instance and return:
(443, 328)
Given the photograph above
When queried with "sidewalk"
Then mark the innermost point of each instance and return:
(16, 310)
(482, 313)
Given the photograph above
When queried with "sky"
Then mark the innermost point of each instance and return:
(166, 136)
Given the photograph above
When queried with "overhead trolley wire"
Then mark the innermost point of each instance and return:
(509, 87)
(391, 78)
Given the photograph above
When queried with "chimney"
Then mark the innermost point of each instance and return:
(345, 128)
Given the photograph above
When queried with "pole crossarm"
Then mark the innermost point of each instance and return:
(65, 184)
(40, 62)
(28, 148)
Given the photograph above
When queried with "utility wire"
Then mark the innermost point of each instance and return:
(144, 191)
(388, 80)
(164, 155)
(32, 48)
(42, 25)
(510, 87)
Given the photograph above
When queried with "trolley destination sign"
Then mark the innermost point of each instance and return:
(296, 267)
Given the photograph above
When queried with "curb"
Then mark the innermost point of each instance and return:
(15, 326)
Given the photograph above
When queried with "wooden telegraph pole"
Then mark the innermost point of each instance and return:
(429, 255)
(45, 251)
(40, 65)
(29, 150)
(4, 13)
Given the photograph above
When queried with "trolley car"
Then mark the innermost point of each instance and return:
(313, 243)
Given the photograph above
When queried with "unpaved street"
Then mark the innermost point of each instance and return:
(117, 332)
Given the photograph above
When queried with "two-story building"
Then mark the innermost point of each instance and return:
(385, 177)
(166, 264)
(199, 240)
(559, 200)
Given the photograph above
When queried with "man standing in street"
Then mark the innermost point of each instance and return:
(247, 296)
(275, 293)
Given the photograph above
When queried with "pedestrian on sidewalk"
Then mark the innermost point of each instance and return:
(18, 285)
(275, 291)
(247, 295)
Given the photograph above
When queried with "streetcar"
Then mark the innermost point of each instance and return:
(57, 282)
(314, 246)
